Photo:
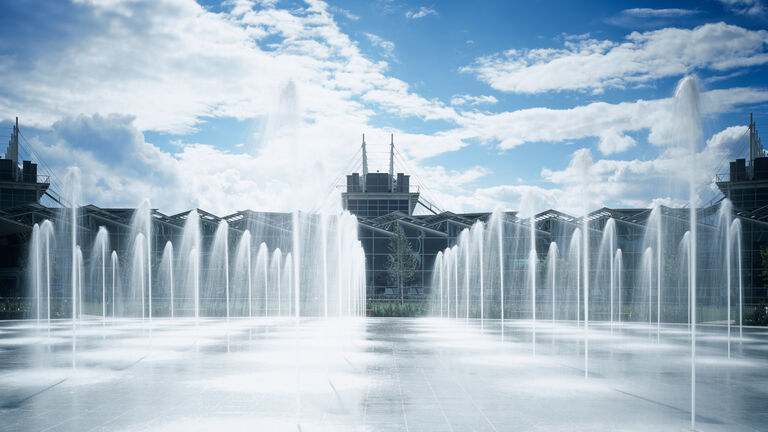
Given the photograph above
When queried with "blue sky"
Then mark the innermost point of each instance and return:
(261, 104)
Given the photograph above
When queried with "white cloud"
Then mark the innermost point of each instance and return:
(630, 182)
(167, 66)
(600, 119)
(745, 7)
(387, 46)
(596, 65)
(587, 184)
(345, 13)
(612, 141)
(420, 13)
(171, 63)
(118, 167)
(473, 100)
(658, 13)
(450, 179)
(646, 18)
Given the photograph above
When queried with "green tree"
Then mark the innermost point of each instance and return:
(402, 261)
(764, 266)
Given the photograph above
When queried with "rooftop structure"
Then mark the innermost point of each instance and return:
(746, 184)
(384, 202)
(376, 194)
(19, 185)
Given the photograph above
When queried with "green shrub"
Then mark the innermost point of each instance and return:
(759, 315)
(396, 309)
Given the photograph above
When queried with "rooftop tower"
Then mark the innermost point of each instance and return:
(18, 184)
(377, 194)
(747, 183)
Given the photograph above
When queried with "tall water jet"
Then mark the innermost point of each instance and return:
(226, 261)
(243, 271)
(262, 262)
(80, 267)
(142, 223)
(725, 215)
(324, 251)
(736, 234)
(194, 259)
(618, 259)
(647, 267)
(446, 271)
(167, 266)
(288, 277)
(362, 293)
(296, 263)
(99, 254)
(275, 269)
(114, 263)
(447, 280)
(532, 267)
(478, 231)
(685, 251)
(455, 255)
(575, 255)
(218, 267)
(138, 269)
(74, 261)
(439, 274)
(496, 227)
(46, 232)
(188, 263)
(465, 244)
(688, 115)
(585, 234)
(72, 196)
(36, 267)
(339, 235)
(653, 239)
(659, 254)
(552, 257)
(608, 245)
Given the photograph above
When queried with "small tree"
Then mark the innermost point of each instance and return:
(402, 261)
(764, 266)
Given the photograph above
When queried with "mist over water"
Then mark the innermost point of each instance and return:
(546, 313)
(204, 269)
(664, 267)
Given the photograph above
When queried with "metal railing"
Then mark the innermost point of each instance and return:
(722, 177)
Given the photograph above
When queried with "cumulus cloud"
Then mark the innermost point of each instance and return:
(634, 182)
(171, 63)
(451, 179)
(118, 167)
(93, 87)
(420, 13)
(612, 141)
(596, 65)
(588, 184)
(609, 122)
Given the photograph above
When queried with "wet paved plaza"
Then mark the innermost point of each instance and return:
(376, 374)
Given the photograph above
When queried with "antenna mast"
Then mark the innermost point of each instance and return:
(365, 165)
(391, 162)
